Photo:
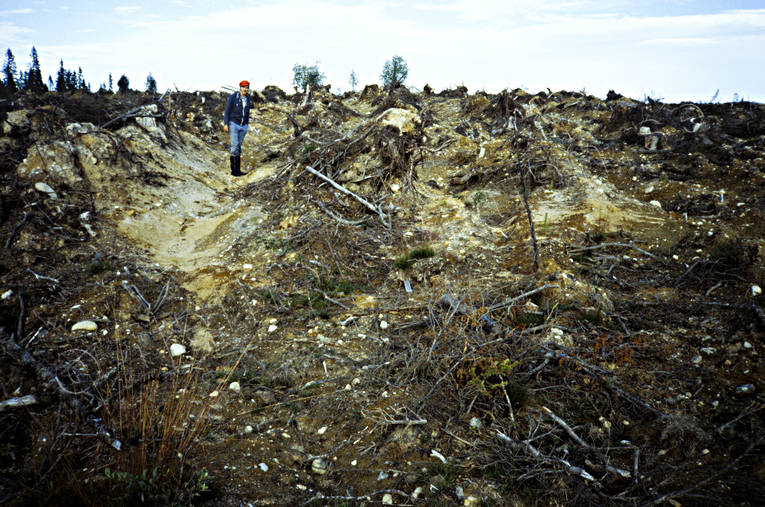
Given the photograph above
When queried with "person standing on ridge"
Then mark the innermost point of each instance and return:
(236, 119)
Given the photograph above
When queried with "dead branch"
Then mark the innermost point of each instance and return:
(362, 498)
(675, 494)
(535, 453)
(21, 401)
(52, 381)
(578, 440)
(522, 296)
(531, 223)
(623, 245)
(337, 217)
(376, 209)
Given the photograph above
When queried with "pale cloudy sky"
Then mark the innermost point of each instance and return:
(670, 49)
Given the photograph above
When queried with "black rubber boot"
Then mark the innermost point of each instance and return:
(235, 161)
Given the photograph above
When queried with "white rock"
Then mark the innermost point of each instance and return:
(176, 349)
(319, 466)
(756, 290)
(272, 328)
(655, 203)
(7, 294)
(263, 467)
(247, 267)
(395, 187)
(45, 188)
(417, 492)
(322, 430)
(747, 345)
(214, 394)
(234, 386)
(383, 325)
(85, 325)
(475, 423)
(644, 131)
(471, 501)
(387, 499)
(248, 429)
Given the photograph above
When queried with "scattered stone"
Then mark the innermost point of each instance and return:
(265, 396)
(471, 501)
(319, 466)
(696, 360)
(263, 467)
(322, 430)
(387, 499)
(234, 386)
(176, 349)
(85, 325)
(476, 423)
(382, 476)
(272, 328)
(383, 325)
(354, 463)
(203, 340)
(214, 394)
(248, 429)
(459, 492)
(756, 290)
(7, 294)
(247, 267)
(745, 389)
(46, 189)
(747, 345)
(417, 492)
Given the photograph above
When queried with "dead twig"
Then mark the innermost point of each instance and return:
(623, 245)
(376, 209)
(16, 229)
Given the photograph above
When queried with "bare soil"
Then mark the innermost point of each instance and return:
(425, 346)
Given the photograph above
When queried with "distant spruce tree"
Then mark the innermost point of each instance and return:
(82, 85)
(151, 84)
(61, 78)
(34, 81)
(123, 84)
(111, 87)
(9, 71)
(353, 80)
(394, 72)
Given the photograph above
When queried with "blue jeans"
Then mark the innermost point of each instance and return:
(236, 132)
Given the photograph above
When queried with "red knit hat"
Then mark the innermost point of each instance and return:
(244, 83)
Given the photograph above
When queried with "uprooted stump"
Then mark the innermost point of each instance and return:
(396, 142)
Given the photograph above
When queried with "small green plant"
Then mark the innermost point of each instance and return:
(308, 148)
(96, 268)
(405, 262)
(492, 376)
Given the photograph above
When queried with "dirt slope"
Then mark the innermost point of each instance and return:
(403, 336)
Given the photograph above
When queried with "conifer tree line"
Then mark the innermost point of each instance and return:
(13, 80)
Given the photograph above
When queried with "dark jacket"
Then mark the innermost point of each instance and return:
(236, 111)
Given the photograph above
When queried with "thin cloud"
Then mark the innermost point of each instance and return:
(126, 9)
(14, 12)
